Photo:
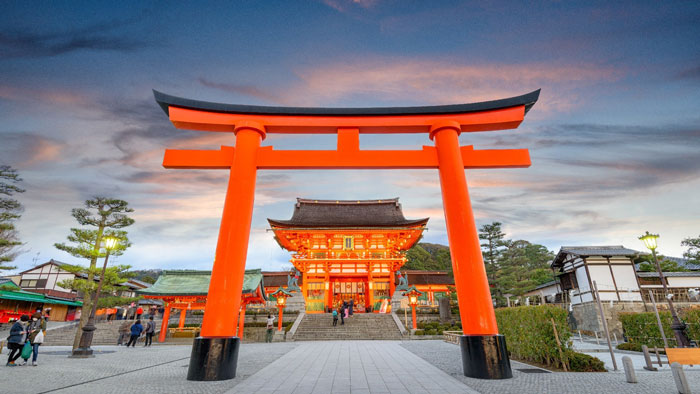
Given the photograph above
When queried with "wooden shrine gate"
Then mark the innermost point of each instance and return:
(215, 353)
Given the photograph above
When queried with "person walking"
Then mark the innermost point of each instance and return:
(139, 312)
(15, 342)
(270, 328)
(36, 331)
(136, 330)
(150, 330)
(352, 302)
(123, 333)
(335, 318)
(342, 314)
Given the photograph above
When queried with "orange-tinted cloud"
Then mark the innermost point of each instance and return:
(49, 96)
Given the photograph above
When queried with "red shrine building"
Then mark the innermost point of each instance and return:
(347, 249)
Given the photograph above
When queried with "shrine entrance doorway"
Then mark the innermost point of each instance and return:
(346, 289)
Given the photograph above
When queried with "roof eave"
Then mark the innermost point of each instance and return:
(166, 101)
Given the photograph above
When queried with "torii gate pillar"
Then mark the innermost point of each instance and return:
(215, 353)
(484, 353)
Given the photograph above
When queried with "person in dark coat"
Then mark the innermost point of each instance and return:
(342, 313)
(150, 331)
(352, 302)
(15, 342)
(136, 330)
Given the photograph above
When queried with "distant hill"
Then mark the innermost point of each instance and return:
(148, 276)
(428, 257)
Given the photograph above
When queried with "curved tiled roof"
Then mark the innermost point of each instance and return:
(347, 213)
(191, 283)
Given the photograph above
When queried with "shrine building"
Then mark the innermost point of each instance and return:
(347, 249)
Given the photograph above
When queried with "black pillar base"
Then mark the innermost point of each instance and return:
(81, 353)
(214, 358)
(485, 357)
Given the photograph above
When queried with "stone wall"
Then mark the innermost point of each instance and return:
(586, 317)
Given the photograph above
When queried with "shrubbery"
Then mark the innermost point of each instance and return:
(643, 329)
(530, 337)
(438, 327)
(580, 362)
(633, 346)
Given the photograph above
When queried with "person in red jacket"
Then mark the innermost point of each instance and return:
(139, 312)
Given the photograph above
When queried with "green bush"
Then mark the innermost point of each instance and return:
(633, 346)
(419, 332)
(580, 362)
(530, 336)
(432, 331)
(643, 329)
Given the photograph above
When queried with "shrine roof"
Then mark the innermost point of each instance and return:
(418, 277)
(347, 214)
(165, 101)
(191, 282)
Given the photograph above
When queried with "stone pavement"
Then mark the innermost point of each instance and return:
(308, 367)
(351, 367)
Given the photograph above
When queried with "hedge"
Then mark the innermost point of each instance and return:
(530, 337)
(643, 329)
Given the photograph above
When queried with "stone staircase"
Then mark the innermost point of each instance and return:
(319, 327)
(105, 334)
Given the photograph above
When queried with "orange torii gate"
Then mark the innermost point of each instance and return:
(215, 352)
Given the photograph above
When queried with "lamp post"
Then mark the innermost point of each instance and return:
(412, 293)
(281, 295)
(83, 350)
(677, 326)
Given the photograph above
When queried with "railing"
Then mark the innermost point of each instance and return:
(680, 294)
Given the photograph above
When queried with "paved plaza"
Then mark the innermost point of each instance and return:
(309, 367)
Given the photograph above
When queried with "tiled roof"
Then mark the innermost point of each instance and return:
(643, 274)
(416, 277)
(190, 282)
(347, 213)
(614, 250)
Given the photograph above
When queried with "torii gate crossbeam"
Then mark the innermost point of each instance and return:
(215, 353)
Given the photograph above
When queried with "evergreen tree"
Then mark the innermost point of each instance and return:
(492, 248)
(646, 264)
(693, 252)
(522, 267)
(103, 217)
(10, 211)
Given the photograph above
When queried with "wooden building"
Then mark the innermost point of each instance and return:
(611, 267)
(347, 249)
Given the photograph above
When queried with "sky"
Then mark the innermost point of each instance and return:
(614, 138)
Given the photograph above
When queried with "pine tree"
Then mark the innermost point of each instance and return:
(105, 216)
(492, 248)
(10, 211)
(693, 252)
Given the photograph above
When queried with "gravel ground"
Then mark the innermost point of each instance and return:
(447, 357)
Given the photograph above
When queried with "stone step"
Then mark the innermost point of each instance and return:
(357, 327)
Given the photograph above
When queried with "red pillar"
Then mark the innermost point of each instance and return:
(413, 316)
(241, 321)
(183, 316)
(226, 284)
(279, 324)
(473, 292)
(164, 324)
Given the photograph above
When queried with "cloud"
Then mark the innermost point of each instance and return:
(97, 37)
(22, 150)
(246, 90)
(402, 81)
(47, 95)
(692, 73)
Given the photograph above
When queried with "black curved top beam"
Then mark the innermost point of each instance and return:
(165, 101)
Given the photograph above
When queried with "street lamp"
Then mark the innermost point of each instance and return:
(677, 326)
(281, 295)
(412, 293)
(83, 350)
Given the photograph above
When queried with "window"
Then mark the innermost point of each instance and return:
(41, 283)
(28, 283)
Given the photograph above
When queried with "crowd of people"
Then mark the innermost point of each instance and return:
(344, 311)
(26, 335)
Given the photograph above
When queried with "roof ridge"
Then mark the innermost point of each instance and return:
(347, 202)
